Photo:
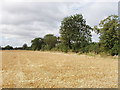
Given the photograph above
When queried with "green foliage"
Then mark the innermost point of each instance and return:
(115, 49)
(62, 47)
(8, 47)
(37, 43)
(29, 48)
(75, 34)
(45, 47)
(108, 31)
(50, 40)
(18, 48)
(95, 47)
(25, 46)
(65, 49)
(91, 47)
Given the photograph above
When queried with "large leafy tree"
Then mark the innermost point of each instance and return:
(8, 47)
(25, 46)
(37, 43)
(75, 34)
(50, 40)
(108, 31)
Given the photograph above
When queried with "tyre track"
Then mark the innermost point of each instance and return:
(20, 75)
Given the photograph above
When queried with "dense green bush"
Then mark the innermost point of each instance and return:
(8, 47)
(46, 48)
(24, 47)
(62, 47)
(37, 43)
(50, 41)
(109, 34)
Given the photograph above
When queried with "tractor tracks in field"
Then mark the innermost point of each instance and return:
(19, 74)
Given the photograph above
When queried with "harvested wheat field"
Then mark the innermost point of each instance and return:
(35, 69)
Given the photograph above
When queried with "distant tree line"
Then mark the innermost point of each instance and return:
(8, 47)
(75, 36)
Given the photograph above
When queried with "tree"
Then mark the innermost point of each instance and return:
(8, 47)
(50, 41)
(25, 46)
(37, 43)
(108, 31)
(75, 34)
(18, 48)
(93, 47)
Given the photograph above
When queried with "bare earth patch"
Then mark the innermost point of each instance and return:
(35, 69)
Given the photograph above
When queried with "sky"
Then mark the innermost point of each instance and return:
(21, 21)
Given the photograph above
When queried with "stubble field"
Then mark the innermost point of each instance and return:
(35, 69)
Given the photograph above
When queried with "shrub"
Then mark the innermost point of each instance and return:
(45, 47)
(62, 47)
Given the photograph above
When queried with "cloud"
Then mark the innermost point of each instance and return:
(23, 21)
(61, 0)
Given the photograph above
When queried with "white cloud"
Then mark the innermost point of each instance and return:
(61, 0)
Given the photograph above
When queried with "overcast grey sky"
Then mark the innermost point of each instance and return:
(23, 21)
